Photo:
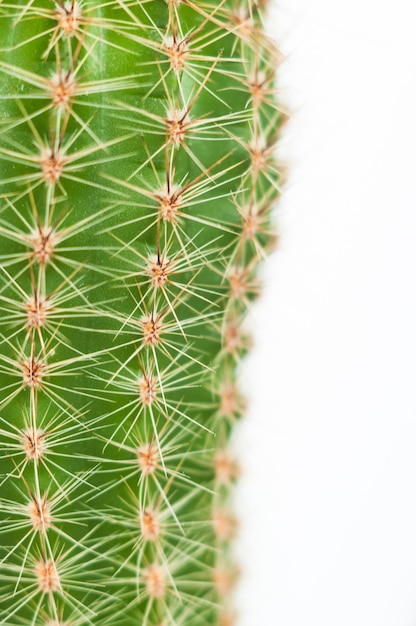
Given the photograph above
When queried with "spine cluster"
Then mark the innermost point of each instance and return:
(137, 182)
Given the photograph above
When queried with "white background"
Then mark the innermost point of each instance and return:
(328, 497)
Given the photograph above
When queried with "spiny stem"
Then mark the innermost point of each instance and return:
(138, 179)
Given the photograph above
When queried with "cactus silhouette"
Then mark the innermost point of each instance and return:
(137, 181)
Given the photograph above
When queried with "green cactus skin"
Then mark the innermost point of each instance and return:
(137, 181)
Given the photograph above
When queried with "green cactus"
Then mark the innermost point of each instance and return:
(137, 181)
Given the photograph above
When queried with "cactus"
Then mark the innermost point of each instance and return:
(137, 181)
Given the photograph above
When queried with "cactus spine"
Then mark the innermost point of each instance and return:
(137, 179)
